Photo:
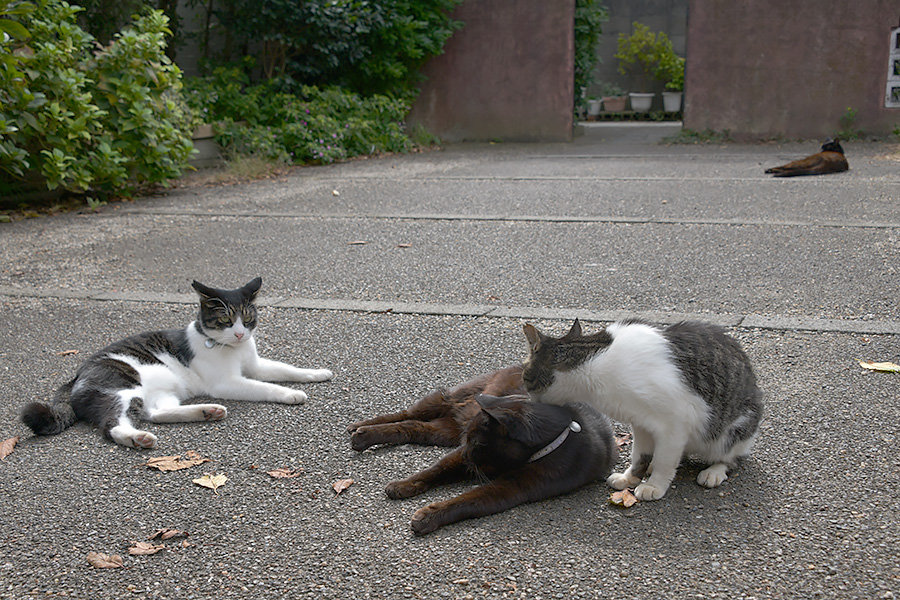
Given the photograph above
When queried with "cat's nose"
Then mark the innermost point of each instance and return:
(238, 335)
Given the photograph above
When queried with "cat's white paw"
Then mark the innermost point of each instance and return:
(131, 437)
(620, 481)
(713, 476)
(214, 412)
(320, 375)
(294, 397)
(646, 492)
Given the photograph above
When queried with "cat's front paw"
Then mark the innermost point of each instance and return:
(714, 476)
(359, 440)
(647, 492)
(397, 490)
(320, 375)
(621, 481)
(425, 520)
(294, 397)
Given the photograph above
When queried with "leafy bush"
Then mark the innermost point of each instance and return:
(367, 47)
(309, 125)
(83, 118)
(651, 55)
(589, 18)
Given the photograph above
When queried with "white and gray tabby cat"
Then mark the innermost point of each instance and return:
(213, 356)
(684, 389)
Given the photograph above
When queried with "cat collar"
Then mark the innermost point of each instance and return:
(573, 426)
(209, 342)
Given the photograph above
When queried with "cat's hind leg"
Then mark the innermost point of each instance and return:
(642, 448)
(716, 474)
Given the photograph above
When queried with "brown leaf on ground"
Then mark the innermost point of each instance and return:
(341, 485)
(623, 440)
(166, 533)
(176, 463)
(67, 352)
(212, 481)
(144, 548)
(6, 447)
(103, 561)
(357, 243)
(284, 473)
(623, 498)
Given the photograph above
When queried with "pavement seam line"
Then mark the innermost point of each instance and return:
(749, 321)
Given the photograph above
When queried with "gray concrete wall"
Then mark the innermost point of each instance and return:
(774, 68)
(507, 75)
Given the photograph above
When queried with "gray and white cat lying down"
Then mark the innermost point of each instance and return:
(213, 356)
(686, 389)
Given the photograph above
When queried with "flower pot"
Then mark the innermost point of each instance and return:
(641, 102)
(593, 107)
(672, 101)
(614, 103)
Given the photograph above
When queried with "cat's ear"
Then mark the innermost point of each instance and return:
(203, 290)
(251, 288)
(533, 336)
(575, 332)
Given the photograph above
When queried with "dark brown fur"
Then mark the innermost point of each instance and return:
(499, 436)
(438, 419)
(830, 160)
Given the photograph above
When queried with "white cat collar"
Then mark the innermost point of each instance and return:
(573, 426)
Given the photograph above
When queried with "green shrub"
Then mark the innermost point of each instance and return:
(86, 118)
(589, 18)
(309, 125)
(367, 47)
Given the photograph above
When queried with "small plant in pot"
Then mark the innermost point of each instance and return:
(614, 98)
(670, 70)
(644, 52)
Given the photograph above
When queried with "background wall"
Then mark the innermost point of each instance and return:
(506, 75)
(773, 68)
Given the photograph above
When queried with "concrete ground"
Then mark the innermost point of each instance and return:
(405, 273)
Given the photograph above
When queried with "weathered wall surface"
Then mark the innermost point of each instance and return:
(506, 75)
(774, 68)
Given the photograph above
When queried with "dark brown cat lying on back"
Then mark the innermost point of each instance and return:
(529, 451)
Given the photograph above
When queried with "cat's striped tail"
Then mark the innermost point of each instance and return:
(50, 419)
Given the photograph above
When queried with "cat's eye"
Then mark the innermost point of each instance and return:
(224, 320)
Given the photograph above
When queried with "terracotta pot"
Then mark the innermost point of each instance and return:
(614, 103)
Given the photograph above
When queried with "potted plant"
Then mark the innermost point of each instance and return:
(593, 106)
(613, 98)
(670, 70)
(650, 55)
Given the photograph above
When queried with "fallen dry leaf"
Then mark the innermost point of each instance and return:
(166, 533)
(176, 463)
(103, 561)
(6, 447)
(404, 245)
(623, 498)
(284, 473)
(622, 440)
(357, 243)
(212, 481)
(341, 485)
(884, 367)
(67, 352)
(144, 548)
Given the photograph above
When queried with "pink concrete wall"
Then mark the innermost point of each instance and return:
(507, 75)
(777, 68)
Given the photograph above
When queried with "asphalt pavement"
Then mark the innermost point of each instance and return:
(406, 273)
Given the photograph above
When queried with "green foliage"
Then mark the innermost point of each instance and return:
(652, 56)
(308, 124)
(589, 18)
(83, 117)
(848, 130)
(367, 47)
